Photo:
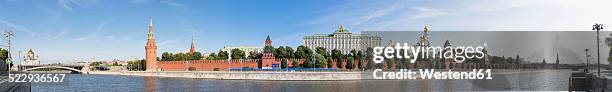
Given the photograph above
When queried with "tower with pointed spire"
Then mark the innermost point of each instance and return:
(268, 57)
(448, 62)
(193, 47)
(557, 61)
(151, 49)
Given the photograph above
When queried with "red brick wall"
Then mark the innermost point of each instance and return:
(206, 65)
(209, 65)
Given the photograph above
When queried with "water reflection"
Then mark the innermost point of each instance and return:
(150, 84)
(547, 80)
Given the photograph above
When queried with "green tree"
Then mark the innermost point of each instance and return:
(290, 52)
(131, 66)
(609, 43)
(330, 62)
(280, 52)
(302, 52)
(212, 56)
(166, 56)
(351, 59)
(339, 57)
(136, 65)
(341, 61)
(222, 55)
(4, 56)
(359, 57)
(251, 55)
(390, 63)
(368, 58)
(518, 59)
(255, 55)
(321, 51)
(180, 57)
(350, 63)
(283, 63)
(309, 62)
(196, 56)
(238, 54)
(95, 64)
(352, 53)
(321, 61)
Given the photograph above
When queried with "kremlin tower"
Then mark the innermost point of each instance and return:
(151, 49)
(193, 47)
(268, 56)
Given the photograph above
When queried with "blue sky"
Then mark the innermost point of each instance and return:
(78, 30)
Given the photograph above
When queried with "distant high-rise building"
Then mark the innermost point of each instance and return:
(151, 49)
(342, 40)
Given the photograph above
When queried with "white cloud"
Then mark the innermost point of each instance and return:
(424, 12)
(356, 15)
(68, 4)
(379, 13)
(14, 27)
(174, 4)
(65, 4)
(50, 36)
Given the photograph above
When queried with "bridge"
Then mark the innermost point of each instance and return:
(72, 68)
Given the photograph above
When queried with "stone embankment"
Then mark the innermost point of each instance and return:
(243, 75)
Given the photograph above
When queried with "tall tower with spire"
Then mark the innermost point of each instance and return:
(557, 61)
(268, 56)
(151, 49)
(193, 47)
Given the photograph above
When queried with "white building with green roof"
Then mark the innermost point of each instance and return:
(342, 40)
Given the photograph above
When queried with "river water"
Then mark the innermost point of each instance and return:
(540, 80)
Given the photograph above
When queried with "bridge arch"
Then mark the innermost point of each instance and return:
(55, 67)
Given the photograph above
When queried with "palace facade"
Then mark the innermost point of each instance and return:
(342, 40)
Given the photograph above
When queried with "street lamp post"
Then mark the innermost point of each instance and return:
(587, 59)
(314, 62)
(598, 27)
(8, 61)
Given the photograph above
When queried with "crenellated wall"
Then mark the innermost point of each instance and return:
(222, 65)
(206, 65)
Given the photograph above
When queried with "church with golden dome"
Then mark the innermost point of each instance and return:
(30, 58)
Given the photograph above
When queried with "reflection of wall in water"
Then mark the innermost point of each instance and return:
(150, 84)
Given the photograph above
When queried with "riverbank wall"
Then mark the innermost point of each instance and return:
(243, 75)
(601, 83)
(280, 75)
